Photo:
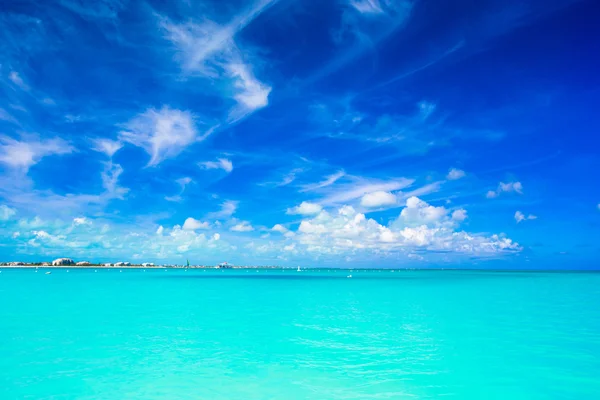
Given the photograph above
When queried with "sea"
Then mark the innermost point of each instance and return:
(283, 334)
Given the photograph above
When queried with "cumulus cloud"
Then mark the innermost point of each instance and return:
(378, 199)
(520, 217)
(305, 208)
(221, 163)
(459, 215)
(192, 224)
(279, 228)
(160, 230)
(22, 155)
(161, 133)
(6, 212)
(243, 226)
(216, 237)
(419, 226)
(455, 174)
(510, 187)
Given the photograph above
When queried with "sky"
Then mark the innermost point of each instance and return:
(332, 133)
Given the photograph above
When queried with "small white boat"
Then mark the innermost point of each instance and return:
(299, 269)
(48, 273)
(349, 276)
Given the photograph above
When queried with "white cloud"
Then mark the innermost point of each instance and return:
(418, 212)
(279, 228)
(160, 230)
(509, 187)
(81, 221)
(221, 163)
(328, 181)
(243, 226)
(209, 49)
(216, 237)
(305, 208)
(347, 192)
(110, 181)
(6, 212)
(455, 174)
(419, 225)
(22, 155)
(192, 224)
(107, 146)
(161, 133)
(17, 80)
(182, 182)
(6, 116)
(228, 208)
(520, 217)
(378, 199)
(459, 215)
(367, 6)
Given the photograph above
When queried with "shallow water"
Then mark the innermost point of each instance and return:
(272, 334)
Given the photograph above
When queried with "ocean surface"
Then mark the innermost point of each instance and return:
(282, 334)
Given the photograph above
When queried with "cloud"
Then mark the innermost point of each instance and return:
(459, 215)
(161, 133)
(328, 181)
(305, 208)
(6, 212)
(228, 208)
(509, 187)
(192, 224)
(279, 228)
(419, 226)
(17, 80)
(81, 221)
(455, 174)
(216, 237)
(360, 187)
(23, 154)
(107, 146)
(210, 50)
(182, 182)
(6, 116)
(221, 163)
(367, 6)
(520, 217)
(243, 226)
(378, 199)
(160, 230)
(418, 212)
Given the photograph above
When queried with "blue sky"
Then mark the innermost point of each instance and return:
(320, 133)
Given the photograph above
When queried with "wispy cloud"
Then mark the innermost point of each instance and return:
(328, 181)
(107, 146)
(16, 78)
(22, 154)
(228, 208)
(243, 226)
(221, 163)
(210, 50)
(162, 133)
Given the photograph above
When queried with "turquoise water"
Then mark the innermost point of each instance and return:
(298, 335)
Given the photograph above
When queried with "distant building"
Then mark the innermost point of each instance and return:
(62, 261)
(83, 263)
(122, 264)
(45, 264)
(15, 263)
(224, 265)
(107, 264)
(147, 264)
